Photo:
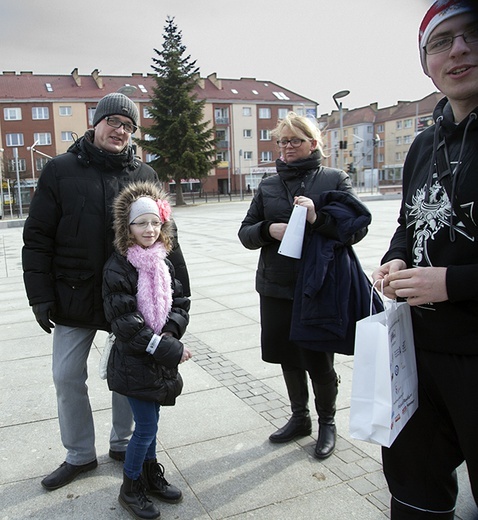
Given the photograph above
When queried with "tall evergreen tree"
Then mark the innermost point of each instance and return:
(181, 140)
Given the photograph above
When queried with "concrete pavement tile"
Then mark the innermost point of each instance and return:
(231, 339)
(244, 472)
(195, 378)
(250, 360)
(207, 305)
(219, 320)
(338, 503)
(206, 415)
(27, 346)
(252, 312)
(237, 301)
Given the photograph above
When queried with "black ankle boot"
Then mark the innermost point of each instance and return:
(295, 427)
(326, 441)
(325, 403)
(133, 498)
(156, 484)
(299, 425)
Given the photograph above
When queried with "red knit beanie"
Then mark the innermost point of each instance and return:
(440, 11)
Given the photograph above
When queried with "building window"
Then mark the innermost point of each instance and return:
(407, 139)
(65, 111)
(40, 113)
(151, 157)
(221, 116)
(282, 113)
(246, 133)
(266, 157)
(222, 156)
(379, 128)
(40, 163)
(248, 156)
(264, 113)
(398, 156)
(146, 113)
(22, 165)
(265, 135)
(12, 114)
(66, 136)
(43, 138)
(148, 137)
(91, 115)
(369, 129)
(381, 157)
(408, 123)
(247, 111)
(14, 139)
(398, 141)
(399, 125)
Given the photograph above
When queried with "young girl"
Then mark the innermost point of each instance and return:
(148, 315)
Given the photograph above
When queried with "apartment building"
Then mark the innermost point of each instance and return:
(376, 141)
(41, 115)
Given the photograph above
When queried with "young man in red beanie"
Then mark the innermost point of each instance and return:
(432, 262)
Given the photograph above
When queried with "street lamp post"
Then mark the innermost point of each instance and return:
(338, 95)
(240, 172)
(32, 149)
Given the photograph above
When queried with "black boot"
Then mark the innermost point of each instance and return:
(299, 425)
(156, 484)
(325, 399)
(133, 498)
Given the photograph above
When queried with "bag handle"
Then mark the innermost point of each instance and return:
(394, 302)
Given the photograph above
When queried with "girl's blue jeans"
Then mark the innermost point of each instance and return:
(142, 445)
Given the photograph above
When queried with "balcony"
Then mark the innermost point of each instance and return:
(221, 120)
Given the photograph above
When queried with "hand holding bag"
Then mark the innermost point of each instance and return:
(384, 381)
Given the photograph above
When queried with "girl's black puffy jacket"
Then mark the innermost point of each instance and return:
(68, 234)
(131, 370)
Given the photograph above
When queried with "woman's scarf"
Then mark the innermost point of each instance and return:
(154, 295)
(298, 168)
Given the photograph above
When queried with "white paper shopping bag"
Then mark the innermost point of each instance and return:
(384, 382)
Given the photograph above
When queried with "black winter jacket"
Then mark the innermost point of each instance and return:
(131, 370)
(68, 234)
(431, 233)
(332, 291)
(276, 274)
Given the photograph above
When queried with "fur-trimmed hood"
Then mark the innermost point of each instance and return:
(121, 211)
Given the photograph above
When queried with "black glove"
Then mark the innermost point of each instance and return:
(42, 312)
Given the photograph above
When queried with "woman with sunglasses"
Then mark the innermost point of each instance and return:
(301, 180)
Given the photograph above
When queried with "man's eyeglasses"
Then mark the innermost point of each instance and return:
(445, 43)
(116, 123)
(143, 224)
(294, 142)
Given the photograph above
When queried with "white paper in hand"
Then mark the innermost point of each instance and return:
(293, 238)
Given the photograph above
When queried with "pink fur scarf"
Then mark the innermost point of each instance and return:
(154, 284)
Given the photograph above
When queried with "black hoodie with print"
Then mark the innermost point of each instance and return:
(430, 232)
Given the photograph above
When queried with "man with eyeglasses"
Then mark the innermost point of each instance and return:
(68, 237)
(432, 262)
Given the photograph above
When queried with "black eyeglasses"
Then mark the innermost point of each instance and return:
(295, 142)
(116, 123)
(446, 42)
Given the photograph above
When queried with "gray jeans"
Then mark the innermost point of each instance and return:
(71, 347)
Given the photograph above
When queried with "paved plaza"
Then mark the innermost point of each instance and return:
(214, 442)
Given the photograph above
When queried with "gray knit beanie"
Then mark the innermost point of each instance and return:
(116, 104)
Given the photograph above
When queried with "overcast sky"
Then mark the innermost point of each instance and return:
(312, 47)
